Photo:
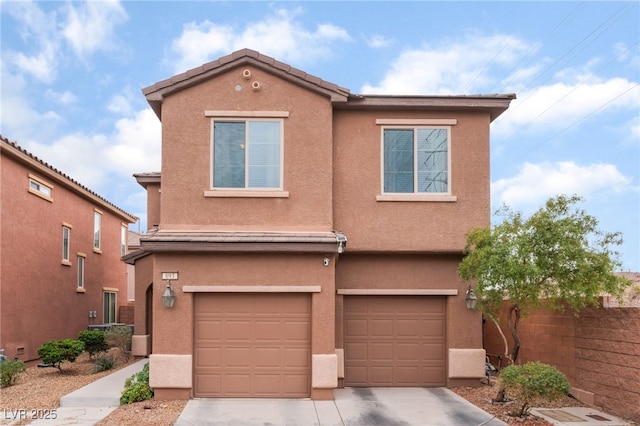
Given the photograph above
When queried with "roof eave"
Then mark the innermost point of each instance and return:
(495, 105)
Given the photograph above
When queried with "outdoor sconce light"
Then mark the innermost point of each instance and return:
(470, 299)
(169, 296)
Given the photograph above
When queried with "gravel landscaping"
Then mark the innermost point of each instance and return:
(42, 388)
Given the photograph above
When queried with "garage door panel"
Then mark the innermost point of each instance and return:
(381, 352)
(382, 328)
(394, 340)
(252, 345)
(211, 354)
(297, 331)
(209, 382)
(297, 357)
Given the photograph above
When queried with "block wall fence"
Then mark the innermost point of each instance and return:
(598, 351)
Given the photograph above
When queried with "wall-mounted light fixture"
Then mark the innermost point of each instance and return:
(470, 298)
(169, 296)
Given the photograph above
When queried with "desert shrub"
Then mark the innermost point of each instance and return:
(104, 363)
(55, 352)
(136, 387)
(119, 336)
(531, 381)
(10, 369)
(94, 341)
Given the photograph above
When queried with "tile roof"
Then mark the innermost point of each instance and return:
(341, 97)
(18, 151)
(243, 241)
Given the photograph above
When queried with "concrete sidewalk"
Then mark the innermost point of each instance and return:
(85, 406)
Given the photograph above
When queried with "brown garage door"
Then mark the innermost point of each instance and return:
(394, 341)
(252, 345)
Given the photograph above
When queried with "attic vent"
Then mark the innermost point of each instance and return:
(255, 86)
(246, 74)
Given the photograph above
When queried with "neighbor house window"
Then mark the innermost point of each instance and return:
(247, 154)
(66, 237)
(109, 306)
(81, 259)
(416, 160)
(40, 188)
(123, 240)
(97, 223)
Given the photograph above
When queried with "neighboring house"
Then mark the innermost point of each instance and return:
(311, 236)
(60, 255)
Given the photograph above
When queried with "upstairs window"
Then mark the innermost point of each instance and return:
(66, 236)
(81, 258)
(97, 224)
(416, 160)
(123, 240)
(247, 154)
(40, 188)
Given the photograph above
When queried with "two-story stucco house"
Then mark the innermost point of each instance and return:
(312, 236)
(60, 255)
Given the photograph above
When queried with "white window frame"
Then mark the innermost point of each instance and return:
(244, 117)
(415, 125)
(80, 284)
(66, 244)
(40, 188)
(97, 231)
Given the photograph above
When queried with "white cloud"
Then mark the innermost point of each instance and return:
(560, 104)
(537, 182)
(38, 32)
(454, 67)
(279, 35)
(377, 41)
(89, 26)
(98, 160)
(63, 98)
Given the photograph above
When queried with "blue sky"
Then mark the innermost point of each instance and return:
(72, 74)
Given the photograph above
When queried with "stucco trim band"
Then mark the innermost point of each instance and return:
(418, 121)
(466, 363)
(264, 114)
(246, 194)
(170, 371)
(324, 369)
(398, 292)
(252, 289)
(417, 197)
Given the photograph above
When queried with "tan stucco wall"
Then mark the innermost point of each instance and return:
(186, 157)
(38, 294)
(408, 226)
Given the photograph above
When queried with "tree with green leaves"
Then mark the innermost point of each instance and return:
(557, 256)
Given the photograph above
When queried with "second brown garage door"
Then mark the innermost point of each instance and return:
(394, 341)
(252, 345)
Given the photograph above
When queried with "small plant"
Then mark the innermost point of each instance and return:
(9, 371)
(104, 363)
(94, 341)
(531, 381)
(55, 352)
(119, 336)
(136, 387)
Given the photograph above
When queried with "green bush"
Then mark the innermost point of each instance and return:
(104, 363)
(94, 341)
(10, 369)
(55, 352)
(119, 336)
(136, 387)
(532, 381)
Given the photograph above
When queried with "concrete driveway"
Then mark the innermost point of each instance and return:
(352, 406)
